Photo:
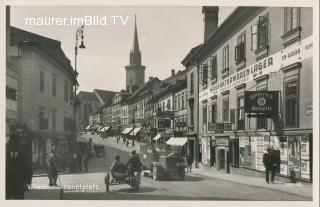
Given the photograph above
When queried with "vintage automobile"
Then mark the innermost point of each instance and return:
(120, 176)
(161, 164)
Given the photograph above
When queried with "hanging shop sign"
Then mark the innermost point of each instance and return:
(264, 102)
(295, 53)
(206, 156)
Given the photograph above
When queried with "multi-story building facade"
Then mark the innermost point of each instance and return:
(256, 91)
(180, 107)
(96, 118)
(140, 108)
(194, 145)
(11, 79)
(117, 111)
(88, 104)
(91, 102)
(45, 80)
(165, 103)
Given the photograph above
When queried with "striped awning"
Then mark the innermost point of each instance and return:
(127, 130)
(177, 141)
(100, 128)
(135, 131)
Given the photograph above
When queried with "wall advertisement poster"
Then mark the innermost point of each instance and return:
(206, 151)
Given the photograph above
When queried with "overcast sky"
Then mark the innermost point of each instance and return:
(166, 35)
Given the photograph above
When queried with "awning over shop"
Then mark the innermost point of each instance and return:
(135, 131)
(100, 128)
(88, 127)
(104, 129)
(177, 141)
(127, 130)
(157, 137)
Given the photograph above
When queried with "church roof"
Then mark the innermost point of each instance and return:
(87, 96)
(104, 95)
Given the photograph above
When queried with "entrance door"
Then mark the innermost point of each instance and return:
(191, 147)
(213, 155)
(222, 159)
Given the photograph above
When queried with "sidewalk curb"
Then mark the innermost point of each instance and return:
(258, 186)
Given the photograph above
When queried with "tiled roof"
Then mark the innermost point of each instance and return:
(106, 96)
(51, 46)
(149, 85)
(168, 84)
(190, 54)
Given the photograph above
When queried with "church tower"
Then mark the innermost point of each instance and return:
(135, 71)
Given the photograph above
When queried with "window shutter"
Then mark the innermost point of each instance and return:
(235, 53)
(242, 51)
(254, 37)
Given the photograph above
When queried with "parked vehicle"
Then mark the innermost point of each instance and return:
(160, 164)
(122, 177)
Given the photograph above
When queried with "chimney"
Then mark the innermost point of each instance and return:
(173, 72)
(210, 19)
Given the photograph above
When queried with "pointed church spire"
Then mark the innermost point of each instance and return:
(135, 55)
(135, 38)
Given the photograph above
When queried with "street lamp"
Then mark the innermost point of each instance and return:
(79, 32)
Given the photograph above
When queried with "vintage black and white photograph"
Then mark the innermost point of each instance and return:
(203, 102)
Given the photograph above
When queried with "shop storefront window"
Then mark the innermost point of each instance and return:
(293, 152)
(294, 155)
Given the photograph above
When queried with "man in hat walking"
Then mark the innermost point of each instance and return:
(267, 163)
(52, 167)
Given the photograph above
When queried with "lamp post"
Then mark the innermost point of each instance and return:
(79, 32)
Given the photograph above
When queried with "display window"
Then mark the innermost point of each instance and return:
(293, 152)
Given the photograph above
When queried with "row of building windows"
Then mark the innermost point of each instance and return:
(44, 122)
(260, 38)
(67, 93)
(291, 109)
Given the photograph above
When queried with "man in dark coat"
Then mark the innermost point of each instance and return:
(134, 163)
(189, 161)
(88, 154)
(18, 170)
(267, 163)
(275, 162)
(52, 167)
